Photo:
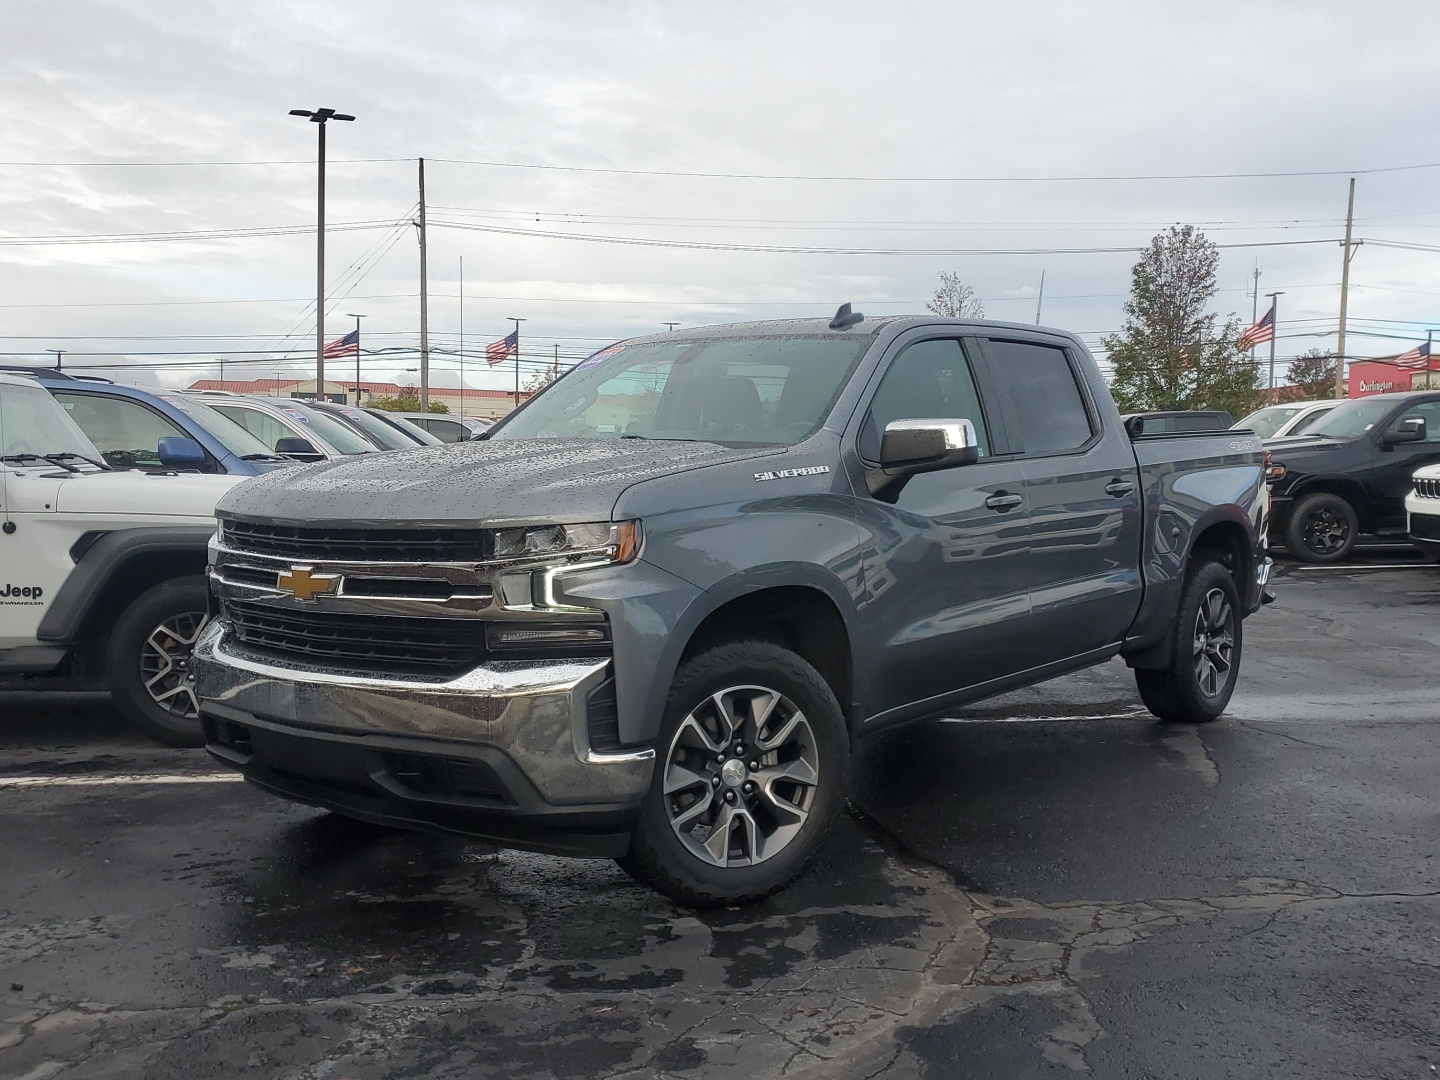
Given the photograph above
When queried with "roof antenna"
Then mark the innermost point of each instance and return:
(845, 318)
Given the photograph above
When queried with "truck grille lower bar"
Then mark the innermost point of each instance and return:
(364, 643)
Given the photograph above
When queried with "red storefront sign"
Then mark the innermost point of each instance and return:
(1368, 378)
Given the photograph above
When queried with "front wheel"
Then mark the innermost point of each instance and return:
(147, 665)
(752, 766)
(1204, 660)
(1322, 528)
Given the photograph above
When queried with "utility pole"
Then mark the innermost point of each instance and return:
(462, 337)
(1274, 333)
(1344, 295)
(517, 323)
(1040, 298)
(319, 117)
(1429, 341)
(222, 371)
(424, 305)
(555, 367)
(58, 354)
(1254, 307)
(357, 319)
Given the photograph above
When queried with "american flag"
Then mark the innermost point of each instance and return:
(1417, 358)
(349, 345)
(1261, 332)
(497, 352)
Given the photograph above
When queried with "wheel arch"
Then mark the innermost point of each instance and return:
(1352, 491)
(804, 618)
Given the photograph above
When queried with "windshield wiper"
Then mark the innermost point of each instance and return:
(659, 438)
(101, 465)
(52, 458)
(263, 457)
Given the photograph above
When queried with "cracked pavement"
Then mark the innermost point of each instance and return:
(1048, 885)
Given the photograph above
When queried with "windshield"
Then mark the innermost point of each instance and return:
(32, 422)
(1352, 418)
(380, 433)
(415, 432)
(1266, 422)
(753, 391)
(230, 434)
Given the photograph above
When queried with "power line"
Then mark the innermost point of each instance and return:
(170, 237)
(786, 249)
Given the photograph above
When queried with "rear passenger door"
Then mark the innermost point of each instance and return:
(945, 592)
(1081, 486)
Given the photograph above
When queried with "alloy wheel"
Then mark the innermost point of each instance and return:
(1325, 531)
(1214, 652)
(165, 663)
(740, 776)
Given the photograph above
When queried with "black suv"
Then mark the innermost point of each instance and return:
(1350, 473)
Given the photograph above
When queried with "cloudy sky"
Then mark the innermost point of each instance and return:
(886, 142)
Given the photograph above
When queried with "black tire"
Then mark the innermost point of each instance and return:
(1184, 691)
(1322, 528)
(818, 746)
(150, 643)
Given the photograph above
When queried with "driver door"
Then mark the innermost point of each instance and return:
(1396, 465)
(946, 600)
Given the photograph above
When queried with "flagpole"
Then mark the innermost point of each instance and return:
(462, 337)
(517, 323)
(1274, 333)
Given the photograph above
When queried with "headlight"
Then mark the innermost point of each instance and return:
(612, 541)
(1274, 472)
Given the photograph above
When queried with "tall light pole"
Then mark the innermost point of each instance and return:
(517, 323)
(319, 117)
(357, 319)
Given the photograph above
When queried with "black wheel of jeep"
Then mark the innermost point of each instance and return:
(1322, 528)
(1205, 659)
(147, 666)
(751, 767)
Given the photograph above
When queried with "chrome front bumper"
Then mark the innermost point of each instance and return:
(533, 714)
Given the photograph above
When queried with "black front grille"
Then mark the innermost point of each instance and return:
(302, 543)
(1425, 526)
(363, 643)
(1427, 489)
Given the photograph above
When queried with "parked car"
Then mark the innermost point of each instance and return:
(650, 622)
(296, 429)
(155, 431)
(1291, 418)
(1350, 472)
(103, 582)
(415, 432)
(384, 436)
(448, 428)
(1422, 511)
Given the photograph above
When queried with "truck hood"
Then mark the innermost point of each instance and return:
(521, 481)
(1293, 444)
(139, 495)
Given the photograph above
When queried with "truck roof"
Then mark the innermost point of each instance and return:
(867, 328)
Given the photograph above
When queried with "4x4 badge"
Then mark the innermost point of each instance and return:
(303, 584)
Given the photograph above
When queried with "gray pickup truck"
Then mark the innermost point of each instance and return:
(650, 614)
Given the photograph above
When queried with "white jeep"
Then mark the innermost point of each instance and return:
(102, 572)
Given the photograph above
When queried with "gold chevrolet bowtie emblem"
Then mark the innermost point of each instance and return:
(301, 583)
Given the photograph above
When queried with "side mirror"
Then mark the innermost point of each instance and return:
(176, 452)
(1411, 429)
(302, 449)
(909, 447)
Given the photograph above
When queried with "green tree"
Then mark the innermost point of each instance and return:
(1313, 371)
(954, 299)
(408, 400)
(1170, 354)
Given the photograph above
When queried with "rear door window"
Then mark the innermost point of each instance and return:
(1042, 392)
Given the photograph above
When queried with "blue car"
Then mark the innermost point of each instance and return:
(156, 431)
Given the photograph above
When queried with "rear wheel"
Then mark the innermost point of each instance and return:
(1322, 528)
(147, 665)
(1204, 661)
(752, 766)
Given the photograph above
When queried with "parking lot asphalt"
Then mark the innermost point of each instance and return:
(1046, 885)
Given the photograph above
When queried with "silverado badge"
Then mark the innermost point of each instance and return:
(301, 583)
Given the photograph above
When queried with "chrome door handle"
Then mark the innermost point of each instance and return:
(1119, 488)
(1003, 501)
